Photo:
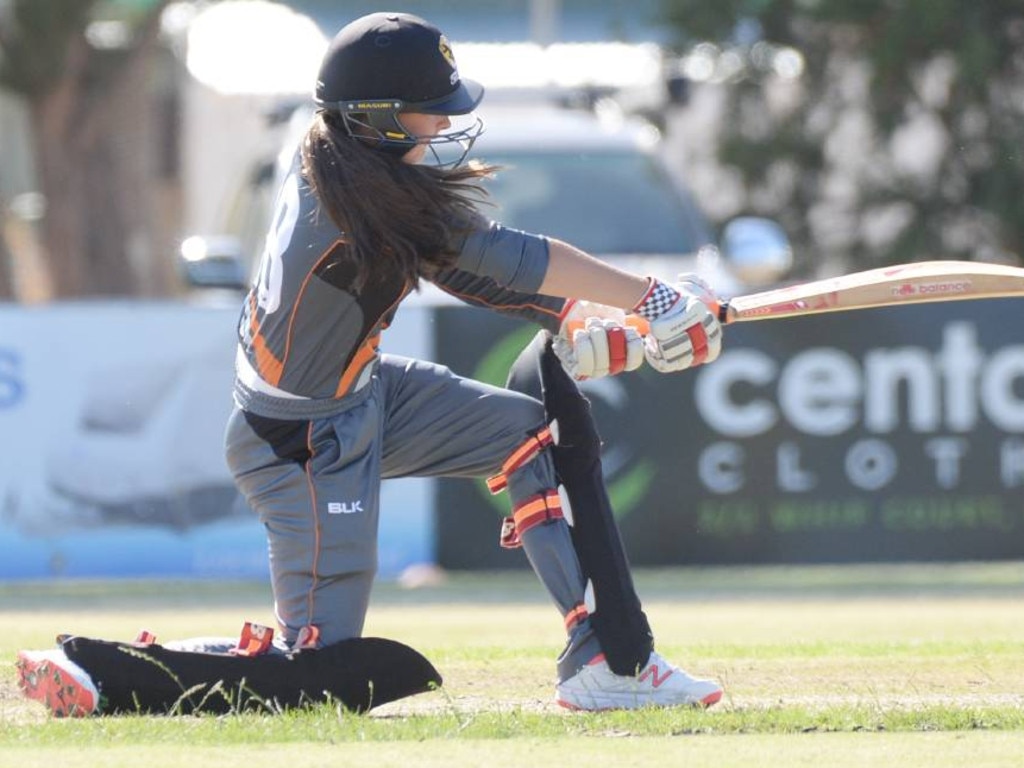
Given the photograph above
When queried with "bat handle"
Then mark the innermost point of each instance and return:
(719, 308)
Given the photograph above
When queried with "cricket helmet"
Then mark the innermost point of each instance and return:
(383, 64)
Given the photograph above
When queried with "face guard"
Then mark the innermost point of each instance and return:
(379, 124)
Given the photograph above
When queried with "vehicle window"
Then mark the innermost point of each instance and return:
(603, 203)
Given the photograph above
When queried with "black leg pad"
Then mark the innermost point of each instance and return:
(360, 674)
(619, 622)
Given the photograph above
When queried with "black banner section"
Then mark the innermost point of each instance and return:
(880, 435)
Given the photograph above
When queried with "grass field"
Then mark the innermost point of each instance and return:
(824, 666)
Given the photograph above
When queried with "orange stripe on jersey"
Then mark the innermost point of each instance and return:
(268, 366)
(362, 358)
(298, 300)
(367, 350)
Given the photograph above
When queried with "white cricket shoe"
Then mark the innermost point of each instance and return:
(659, 684)
(55, 680)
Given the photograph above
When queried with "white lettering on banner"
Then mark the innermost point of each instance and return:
(888, 371)
(12, 388)
(1011, 463)
(791, 476)
(1002, 406)
(947, 452)
(871, 464)
(715, 389)
(819, 392)
(720, 467)
(824, 391)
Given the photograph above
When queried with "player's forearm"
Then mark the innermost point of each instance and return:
(574, 274)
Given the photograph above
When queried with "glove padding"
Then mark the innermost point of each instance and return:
(684, 330)
(595, 341)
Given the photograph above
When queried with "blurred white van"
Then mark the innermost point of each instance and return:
(594, 177)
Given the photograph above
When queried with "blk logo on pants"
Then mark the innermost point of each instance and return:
(344, 508)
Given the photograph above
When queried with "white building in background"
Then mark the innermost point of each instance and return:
(233, 84)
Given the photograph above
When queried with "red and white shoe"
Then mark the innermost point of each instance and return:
(53, 679)
(658, 684)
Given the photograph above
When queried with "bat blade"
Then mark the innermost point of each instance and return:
(918, 282)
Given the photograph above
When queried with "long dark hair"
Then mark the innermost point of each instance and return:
(392, 214)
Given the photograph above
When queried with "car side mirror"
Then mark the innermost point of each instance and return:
(757, 250)
(213, 262)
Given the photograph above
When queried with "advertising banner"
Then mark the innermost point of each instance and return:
(881, 435)
(112, 419)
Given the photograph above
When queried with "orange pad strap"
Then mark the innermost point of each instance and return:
(575, 616)
(518, 458)
(530, 513)
(254, 641)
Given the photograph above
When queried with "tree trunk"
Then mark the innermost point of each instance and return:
(96, 149)
(60, 181)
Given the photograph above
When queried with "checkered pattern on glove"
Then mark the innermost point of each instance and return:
(683, 332)
(660, 297)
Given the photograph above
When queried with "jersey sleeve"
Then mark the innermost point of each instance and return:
(513, 259)
(483, 291)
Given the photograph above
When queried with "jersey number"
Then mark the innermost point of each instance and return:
(286, 214)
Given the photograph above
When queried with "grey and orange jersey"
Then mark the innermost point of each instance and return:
(305, 331)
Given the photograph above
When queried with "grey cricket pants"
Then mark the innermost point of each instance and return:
(315, 485)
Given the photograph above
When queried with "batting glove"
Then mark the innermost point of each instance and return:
(684, 330)
(595, 341)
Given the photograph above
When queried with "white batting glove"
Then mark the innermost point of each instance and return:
(684, 330)
(697, 286)
(595, 341)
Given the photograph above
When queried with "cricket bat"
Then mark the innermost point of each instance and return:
(914, 283)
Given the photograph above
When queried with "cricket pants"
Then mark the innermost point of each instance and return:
(314, 483)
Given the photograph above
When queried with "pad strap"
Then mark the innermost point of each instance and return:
(530, 513)
(521, 456)
(576, 616)
(255, 640)
(145, 637)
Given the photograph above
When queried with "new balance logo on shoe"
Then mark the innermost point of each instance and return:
(344, 508)
(656, 679)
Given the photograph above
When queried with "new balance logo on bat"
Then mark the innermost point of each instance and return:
(344, 508)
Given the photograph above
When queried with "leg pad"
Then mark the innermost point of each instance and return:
(360, 673)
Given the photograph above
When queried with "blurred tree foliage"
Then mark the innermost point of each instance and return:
(85, 70)
(904, 139)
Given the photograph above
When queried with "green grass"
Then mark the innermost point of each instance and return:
(921, 665)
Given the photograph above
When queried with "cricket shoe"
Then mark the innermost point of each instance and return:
(52, 678)
(659, 684)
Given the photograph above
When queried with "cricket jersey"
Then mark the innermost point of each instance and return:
(306, 332)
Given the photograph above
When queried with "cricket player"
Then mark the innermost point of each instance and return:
(323, 415)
